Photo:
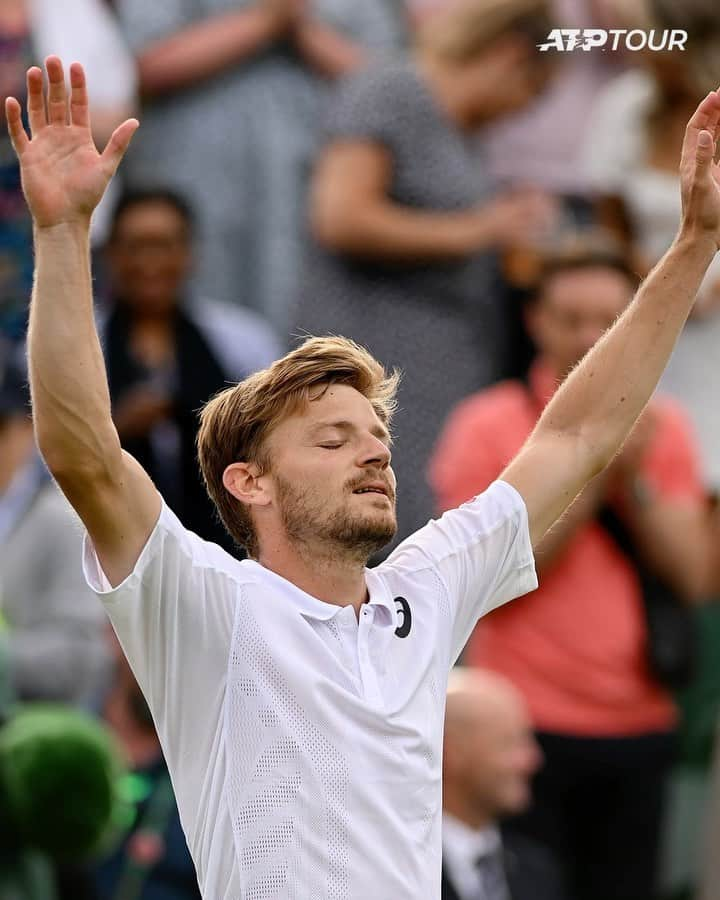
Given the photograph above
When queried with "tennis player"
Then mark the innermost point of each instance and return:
(298, 695)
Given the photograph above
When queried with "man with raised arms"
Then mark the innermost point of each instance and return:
(298, 695)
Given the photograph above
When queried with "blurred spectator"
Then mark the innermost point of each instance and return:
(578, 648)
(153, 861)
(404, 221)
(233, 91)
(543, 143)
(51, 644)
(82, 31)
(168, 352)
(489, 757)
(632, 152)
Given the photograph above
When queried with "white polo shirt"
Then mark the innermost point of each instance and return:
(304, 745)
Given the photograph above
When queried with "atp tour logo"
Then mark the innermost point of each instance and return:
(564, 40)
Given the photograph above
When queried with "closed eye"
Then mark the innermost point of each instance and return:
(334, 446)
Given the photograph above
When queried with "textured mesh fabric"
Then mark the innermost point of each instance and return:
(284, 768)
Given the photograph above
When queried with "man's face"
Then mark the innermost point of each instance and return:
(150, 256)
(574, 309)
(330, 476)
(495, 757)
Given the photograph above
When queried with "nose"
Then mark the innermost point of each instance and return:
(375, 453)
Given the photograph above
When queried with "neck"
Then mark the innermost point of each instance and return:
(322, 572)
(458, 801)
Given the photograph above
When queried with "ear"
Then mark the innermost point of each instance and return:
(245, 481)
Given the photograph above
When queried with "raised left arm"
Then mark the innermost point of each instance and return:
(588, 419)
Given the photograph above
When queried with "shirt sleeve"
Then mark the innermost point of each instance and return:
(364, 106)
(173, 616)
(482, 554)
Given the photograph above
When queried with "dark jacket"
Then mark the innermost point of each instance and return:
(530, 869)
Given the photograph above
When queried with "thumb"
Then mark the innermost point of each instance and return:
(118, 144)
(705, 150)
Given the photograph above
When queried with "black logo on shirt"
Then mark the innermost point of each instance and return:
(403, 608)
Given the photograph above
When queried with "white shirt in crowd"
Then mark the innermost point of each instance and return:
(304, 745)
(463, 847)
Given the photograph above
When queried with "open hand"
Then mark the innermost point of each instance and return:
(63, 175)
(700, 174)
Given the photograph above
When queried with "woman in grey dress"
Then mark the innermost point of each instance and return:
(404, 223)
(233, 91)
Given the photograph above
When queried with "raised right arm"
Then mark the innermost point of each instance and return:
(64, 178)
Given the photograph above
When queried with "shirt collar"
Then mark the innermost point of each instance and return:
(307, 605)
(469, 843)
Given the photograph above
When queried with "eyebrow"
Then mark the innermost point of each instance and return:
(343, 425)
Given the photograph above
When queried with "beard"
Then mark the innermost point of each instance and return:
(307, 520)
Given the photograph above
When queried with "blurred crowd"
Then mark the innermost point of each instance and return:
(417, 176)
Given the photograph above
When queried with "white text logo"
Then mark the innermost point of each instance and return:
(566, 39)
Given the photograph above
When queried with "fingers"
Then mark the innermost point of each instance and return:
(18, 135)
(713, 118)
(57, 95)
(705, 118)
(57, 101)
(35, 101)
(706, 111)
(79, 108)
(704, 153)
(118, 144)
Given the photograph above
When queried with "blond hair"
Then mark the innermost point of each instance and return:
(463, 31)
(235, 424)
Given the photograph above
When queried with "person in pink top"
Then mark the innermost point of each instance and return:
(577, 648)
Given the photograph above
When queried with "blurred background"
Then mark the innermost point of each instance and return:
(418, 176)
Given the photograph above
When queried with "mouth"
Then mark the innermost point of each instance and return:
(372, 489)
